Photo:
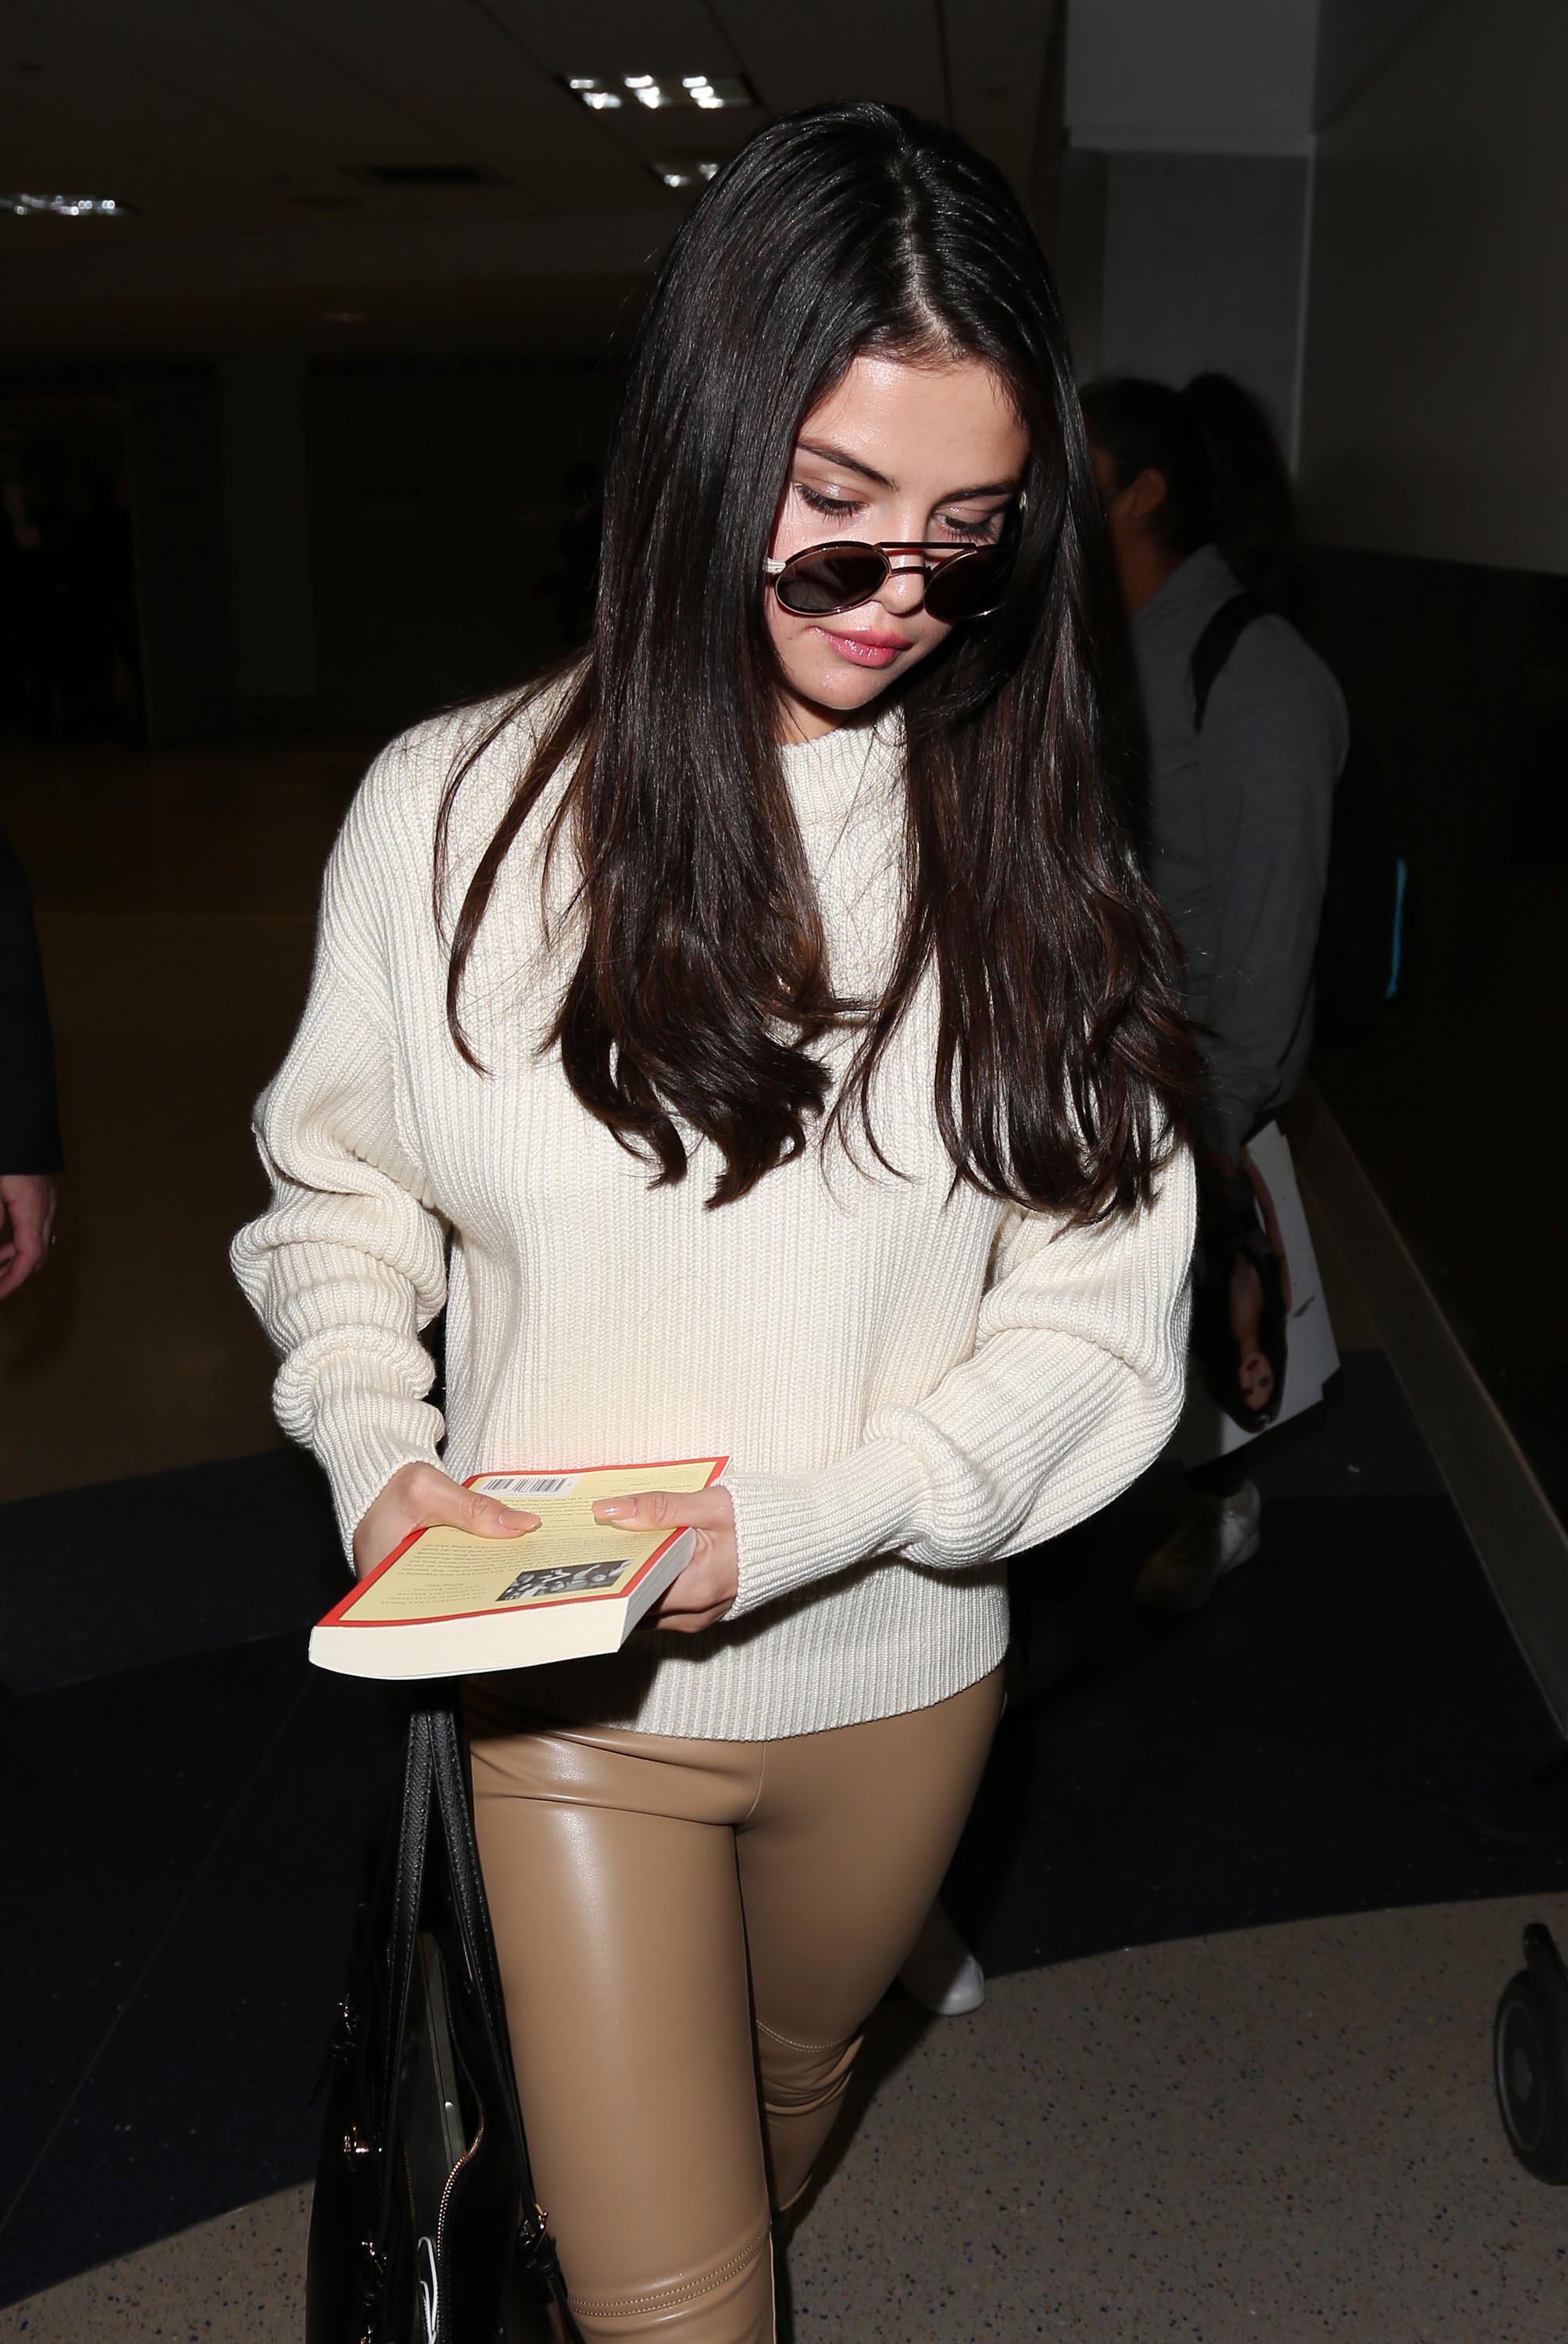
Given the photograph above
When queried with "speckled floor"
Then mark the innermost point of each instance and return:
(1286, 2134)
(1283, 2134)
(238, 2280)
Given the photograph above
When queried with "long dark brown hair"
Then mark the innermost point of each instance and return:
(1062, 1061)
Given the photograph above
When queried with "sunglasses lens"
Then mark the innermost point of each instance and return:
(967, 587)
(834, 578)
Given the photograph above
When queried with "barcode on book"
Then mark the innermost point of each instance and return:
(530, 1485)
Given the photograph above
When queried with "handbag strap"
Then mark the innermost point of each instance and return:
(407, 1890)
(441, 1731)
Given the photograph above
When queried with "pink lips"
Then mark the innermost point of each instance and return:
(867, 650)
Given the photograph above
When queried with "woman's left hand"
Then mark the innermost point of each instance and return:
(701, 1594)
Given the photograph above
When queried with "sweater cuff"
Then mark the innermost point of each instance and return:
(362, 1438)
(791, 1528)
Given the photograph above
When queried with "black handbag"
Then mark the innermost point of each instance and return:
(424, 2229)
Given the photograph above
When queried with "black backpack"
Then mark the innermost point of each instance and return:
(1361, 940)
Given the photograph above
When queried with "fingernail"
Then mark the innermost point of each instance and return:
(612, 1510)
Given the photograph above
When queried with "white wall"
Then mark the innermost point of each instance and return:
(1202, 270)
(1436, 381)
(1185, 191)
(1354, 37)
(1228, 74)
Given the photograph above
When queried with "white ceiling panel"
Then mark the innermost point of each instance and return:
(479, 87)
(813, 51)
(71, 115)
(997, 53)
(223, 58)
(609, 38)
(620, 36)
(225, 121)
(368, 82)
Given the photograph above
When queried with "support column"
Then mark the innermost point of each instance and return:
(1186, 191)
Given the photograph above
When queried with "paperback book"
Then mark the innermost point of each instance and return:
(448, 1604)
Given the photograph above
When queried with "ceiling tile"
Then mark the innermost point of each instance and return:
(997, 50)
(813, 51)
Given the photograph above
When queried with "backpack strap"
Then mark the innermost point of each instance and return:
(1216, 643)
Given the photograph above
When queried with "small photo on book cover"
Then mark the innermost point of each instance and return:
(568, 1579)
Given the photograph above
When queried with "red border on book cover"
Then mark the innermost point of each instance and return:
(337, 1617)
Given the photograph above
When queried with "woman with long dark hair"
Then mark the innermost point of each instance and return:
(760, 1039)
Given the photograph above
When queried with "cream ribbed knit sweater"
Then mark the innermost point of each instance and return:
(911, 1383)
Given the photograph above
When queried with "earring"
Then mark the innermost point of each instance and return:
(1023, 500)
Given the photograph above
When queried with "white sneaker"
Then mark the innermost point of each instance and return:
(941, 1974)
(1213, 1536)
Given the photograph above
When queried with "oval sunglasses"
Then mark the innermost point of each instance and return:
(967, 582)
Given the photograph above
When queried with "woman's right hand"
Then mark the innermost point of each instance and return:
(421, 1497)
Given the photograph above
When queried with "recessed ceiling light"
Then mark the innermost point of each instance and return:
(655, 90)
(69, 206)
(683, 170)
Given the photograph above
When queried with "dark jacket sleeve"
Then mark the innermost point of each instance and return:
(29, 1119)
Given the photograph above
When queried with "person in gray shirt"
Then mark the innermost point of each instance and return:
(1239, 769)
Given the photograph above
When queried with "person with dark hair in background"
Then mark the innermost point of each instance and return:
(30, 1151)
(798, 1069)
(1245, 737)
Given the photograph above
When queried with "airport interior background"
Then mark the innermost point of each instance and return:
(300, 441)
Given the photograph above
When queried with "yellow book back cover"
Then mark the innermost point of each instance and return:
(437, 1574)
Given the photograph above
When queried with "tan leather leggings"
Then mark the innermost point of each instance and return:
(692, 1935)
